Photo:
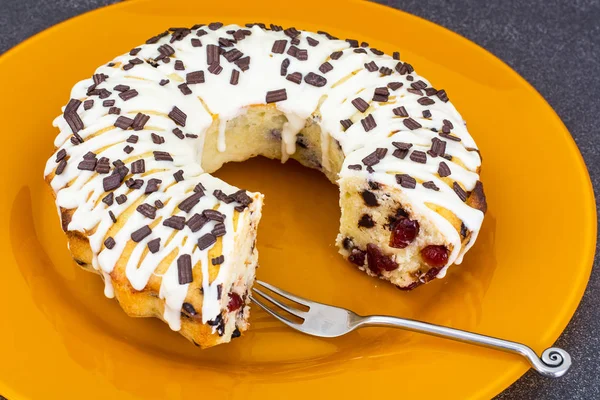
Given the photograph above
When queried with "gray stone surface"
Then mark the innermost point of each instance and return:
(555, 45)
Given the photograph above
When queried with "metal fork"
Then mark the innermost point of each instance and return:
(329, 321)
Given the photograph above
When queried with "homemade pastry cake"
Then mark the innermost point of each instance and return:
(138, 141)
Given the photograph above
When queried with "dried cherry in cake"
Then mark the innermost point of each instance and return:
(235, 302)
(378, 261)
(435, 255)
(404, 232)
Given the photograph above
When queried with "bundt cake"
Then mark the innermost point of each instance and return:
(138, 141)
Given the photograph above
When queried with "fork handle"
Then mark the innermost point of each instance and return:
(553, 363)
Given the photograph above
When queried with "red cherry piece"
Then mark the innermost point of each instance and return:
(435, 255)
(378, 261)
(235, 302)
(404, 231)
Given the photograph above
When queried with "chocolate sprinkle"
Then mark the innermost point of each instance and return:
(411, 124)
(406, 181)
(109, 243)
(128, 95)
(62, 153)
(141, 233)
(215, 69)
(295, 77)
(178, 175)
(87, 165)
(346, 123)
(418, 157)
(325, 67)
(219, 230)
(395, 85)
(213, 26)
(371, 67)
(425, 101)
(221, 196)
(460, 192)
(178, 116)
(430, 185)
(128, 149)
(196, 42)
(315, 80)
(396, 55)
(108, 199)
(112, 217)
(371, 159)
(360, 104)
(158, 204)
(212, 54)
(134, 183)
(243, 63)
(60, 167)
(138, 167)
(401, 112)
(178, 132)
(120, 199)
(442, 95)
(438, 147)
(152, 185)
(114, 110)
(355, 167)
(235, 77)
(213, 215)
(185, 89)
(146, 210)
(154, 245)
(189, 203)
(381, 94)
(274, 96)
(233, 55)
(162, 156)
(385, 71)
(132, 139)
(196, 222)
(443, 170)
(175, 222)
(194, 77)
(426, 114)
(123, 122)
(111, 182)
(284, 66)
(179, 65)
(312, 42)
(163, 82)
(88, 104)
(156, 139)
(184, 269)
(206, 241)
(450, 137)
(279, 46)
(399, 153)
(218, 260)
(140, 121)
(368, 123)
(335, 55)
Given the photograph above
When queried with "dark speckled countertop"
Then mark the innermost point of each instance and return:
(553, 44)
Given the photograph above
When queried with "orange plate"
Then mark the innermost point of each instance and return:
(61, 338)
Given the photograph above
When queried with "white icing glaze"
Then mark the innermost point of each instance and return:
(217, 98)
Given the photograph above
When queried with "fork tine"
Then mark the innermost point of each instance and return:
(274, 314)
(291, 310)
(285, 294)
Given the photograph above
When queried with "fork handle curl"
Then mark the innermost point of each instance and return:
(553, 363)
